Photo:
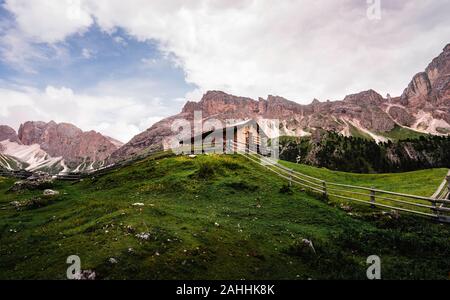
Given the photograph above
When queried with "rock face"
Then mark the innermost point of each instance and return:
(424, 106)
(428, 95)
(67, 141)
(7, 133)
(54, 148)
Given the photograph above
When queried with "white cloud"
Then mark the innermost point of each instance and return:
(149, 62)
(118, 117)
(298, 49)
(40, 22)
(16, 51)
(120, 40)
(87, 53)
(49, 21)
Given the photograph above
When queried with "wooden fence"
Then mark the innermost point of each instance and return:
(434, 207)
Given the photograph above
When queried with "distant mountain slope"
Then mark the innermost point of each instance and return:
(8, 133)
(336, 152)
(67, 141)
(424, 107)
(54, 148)
(10, 163)
(32, 157)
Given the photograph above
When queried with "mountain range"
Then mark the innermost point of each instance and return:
(54, 148)
(423, 108)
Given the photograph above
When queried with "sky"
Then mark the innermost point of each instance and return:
(118, 67)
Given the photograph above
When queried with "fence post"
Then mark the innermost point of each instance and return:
(448, 187)
(434, 210)
(372, 198)
(325, 191)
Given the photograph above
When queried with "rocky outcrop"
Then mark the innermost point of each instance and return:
(418, 92)
(430, 90)
(367, 98)
(67, 141)
(428, 96)
(401, 116)
(7, 133)
(115, 142)
(147, 141)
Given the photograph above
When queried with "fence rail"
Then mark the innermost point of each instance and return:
(434, 207)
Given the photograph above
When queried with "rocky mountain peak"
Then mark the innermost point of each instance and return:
(8, 133)
(221, 104)
(215, 97)
(447, 48)
(67, 141)
(190, 107)
(277, 100)
(369, 97)
(419, 88)
(430, 89)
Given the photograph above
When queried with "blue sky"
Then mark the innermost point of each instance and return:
(98, 63)
(119, 66)
(95, 57)
(85, 62)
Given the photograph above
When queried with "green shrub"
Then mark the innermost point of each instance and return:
(242, 185)
(286, 189)
(302, 248)
(205, 171)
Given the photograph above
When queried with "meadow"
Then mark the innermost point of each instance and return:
(213, 217)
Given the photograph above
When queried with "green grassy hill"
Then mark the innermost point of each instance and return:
(420, 183)
(212, 217)
(401, 133)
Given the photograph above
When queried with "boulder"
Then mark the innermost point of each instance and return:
(49, 192)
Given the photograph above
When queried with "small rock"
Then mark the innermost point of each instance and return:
(113, 261)
(16, 204)
(217, 224)
(395, 214)
(346, 208)
(86, 275)
(49, 192)
(138, 204)
(309, 244)
(143, 236)
(130, 229)
(192, 156)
